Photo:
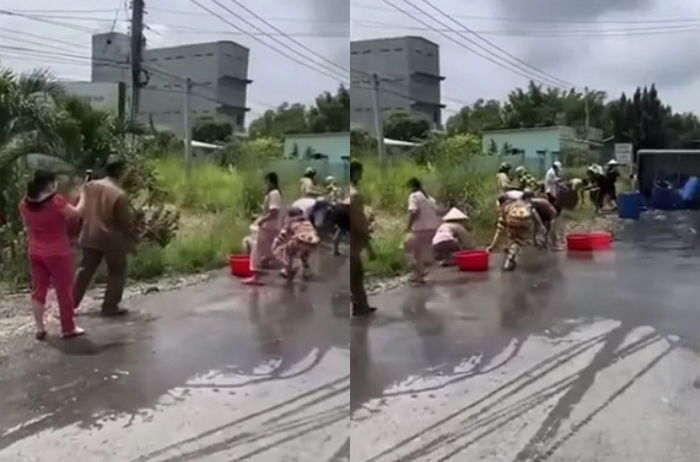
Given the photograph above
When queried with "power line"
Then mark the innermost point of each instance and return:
(541, 32)
(52, 40)
(505, 52)
(507, 65)
(333, 75)
(297, 42)
(273, 18)
(545, 21)
(47, 21)
(23, 11)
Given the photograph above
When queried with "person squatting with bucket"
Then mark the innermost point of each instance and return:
(451, 237)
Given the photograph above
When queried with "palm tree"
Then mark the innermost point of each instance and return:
(27, 125)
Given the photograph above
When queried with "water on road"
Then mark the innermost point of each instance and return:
(571, 358)
(215, 372)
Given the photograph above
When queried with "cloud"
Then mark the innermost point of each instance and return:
(568, 9)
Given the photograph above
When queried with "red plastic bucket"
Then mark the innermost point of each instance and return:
(601, 240)
(472, 260)
(240, 266)
(586, 242)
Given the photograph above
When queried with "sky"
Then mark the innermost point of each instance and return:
(612, 61)
(320, 25)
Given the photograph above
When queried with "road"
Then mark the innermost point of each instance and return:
(588, 359)
(213, 372)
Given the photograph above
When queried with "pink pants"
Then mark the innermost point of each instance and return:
(261, 254)
(57, 272)
(419, 248)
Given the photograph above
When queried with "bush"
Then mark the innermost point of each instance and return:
(147, 262)
(190, 252)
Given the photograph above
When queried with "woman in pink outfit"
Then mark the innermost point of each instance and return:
(46, 216)
(268, 226)
(423, 222)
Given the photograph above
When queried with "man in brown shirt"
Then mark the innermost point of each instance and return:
(359, 241)
(107, 234)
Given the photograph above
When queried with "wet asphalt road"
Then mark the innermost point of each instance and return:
(568, 359)
(215, 372)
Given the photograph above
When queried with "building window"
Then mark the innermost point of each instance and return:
(430, 53)
(366, 52)
(209, 54)
(179, 57)
(198, 55)
(385, 50)
(398, 49)
(176, 112)
(169, 58)
(418, 51)
(355, 53)
(239, 120)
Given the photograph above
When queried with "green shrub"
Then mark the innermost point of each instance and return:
(147, 263)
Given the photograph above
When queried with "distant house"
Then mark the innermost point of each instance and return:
(545, 143)
(333, 146)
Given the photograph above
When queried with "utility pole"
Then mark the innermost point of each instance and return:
(378, 120)
(137, 7)
(587, 109)
(188, 130)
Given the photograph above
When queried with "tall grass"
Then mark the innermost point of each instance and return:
(217, 205)
(453, 184)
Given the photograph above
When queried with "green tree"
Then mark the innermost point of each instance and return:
(209, 130)
(477, 118)
(331, 113)
(27, 125)
(284, 120)
(405, 127)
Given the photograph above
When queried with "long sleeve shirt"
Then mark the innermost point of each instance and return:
(108, 220)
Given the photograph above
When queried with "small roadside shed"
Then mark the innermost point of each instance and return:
(672, 165)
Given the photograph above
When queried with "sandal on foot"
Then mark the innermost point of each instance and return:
(40, 335)
(77, 332)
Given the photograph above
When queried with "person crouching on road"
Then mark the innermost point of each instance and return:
(261, 255)
(546, 217)
(423, 222)
(516, 221)
(296, 241)
(451, 237)
(46, 215)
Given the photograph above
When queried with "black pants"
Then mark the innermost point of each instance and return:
(357, 284)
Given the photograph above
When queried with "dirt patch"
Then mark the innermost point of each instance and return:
(16, 315)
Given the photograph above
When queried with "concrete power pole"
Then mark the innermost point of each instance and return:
(188, 129)
(136, 55)
(378, 120)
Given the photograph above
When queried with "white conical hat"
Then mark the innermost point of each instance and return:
(455, 215)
